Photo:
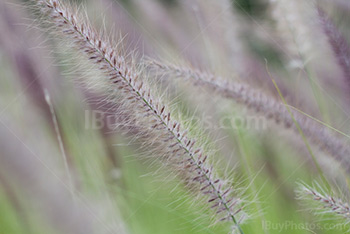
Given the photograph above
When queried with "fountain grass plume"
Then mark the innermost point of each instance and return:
(272, 109)
(124, 78)
(323, 203)
(338, 44)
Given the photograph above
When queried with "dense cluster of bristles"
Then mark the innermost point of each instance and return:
(126, 81)
(267, 106)
(326, 204)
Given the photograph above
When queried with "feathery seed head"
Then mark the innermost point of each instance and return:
(324, 203)
(178, 149)
(257, 101)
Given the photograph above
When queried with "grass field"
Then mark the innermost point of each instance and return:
(177, 116)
